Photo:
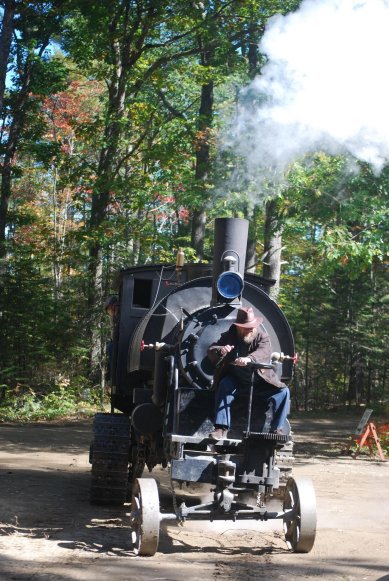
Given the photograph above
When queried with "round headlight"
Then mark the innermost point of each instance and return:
(229, 285)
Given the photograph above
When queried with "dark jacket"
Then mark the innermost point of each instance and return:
(259, 350)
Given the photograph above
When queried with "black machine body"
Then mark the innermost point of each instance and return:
(163, 402)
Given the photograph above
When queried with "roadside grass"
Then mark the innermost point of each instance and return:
(65, 399)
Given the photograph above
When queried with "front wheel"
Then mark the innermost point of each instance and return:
(145, 516)
(300, 518)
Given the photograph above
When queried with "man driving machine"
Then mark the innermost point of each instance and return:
(245, 342)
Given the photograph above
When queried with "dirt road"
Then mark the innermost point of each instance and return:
(49, 531)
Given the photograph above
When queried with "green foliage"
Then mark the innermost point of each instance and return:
(335, 280)
(42, 332)
(106, 159)
(48, 76)
(66, 398)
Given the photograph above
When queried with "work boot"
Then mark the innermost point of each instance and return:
(218, 434)
(278, 431)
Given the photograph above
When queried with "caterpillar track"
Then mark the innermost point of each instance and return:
(109, 458)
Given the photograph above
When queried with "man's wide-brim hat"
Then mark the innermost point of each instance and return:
(246, 318)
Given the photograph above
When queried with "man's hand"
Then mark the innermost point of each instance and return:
(225, 349)
(242, 361)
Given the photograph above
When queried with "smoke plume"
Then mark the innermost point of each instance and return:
(324, 87)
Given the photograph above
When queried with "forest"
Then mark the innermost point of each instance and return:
(125, 131)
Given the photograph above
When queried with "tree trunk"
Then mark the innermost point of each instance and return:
(272, 248)
(4, 202)
(202, 160)
(251, 254)
(253, 51)
(7, 27)
(96, 314)
(106, 174)
(198, 232)
(15, 131)
(356, 377)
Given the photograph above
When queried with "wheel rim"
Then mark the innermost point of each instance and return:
(145, 516)
(300, 522)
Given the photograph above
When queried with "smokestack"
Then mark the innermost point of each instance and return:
(229, 252)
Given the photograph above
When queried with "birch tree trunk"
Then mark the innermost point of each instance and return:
(272, 248)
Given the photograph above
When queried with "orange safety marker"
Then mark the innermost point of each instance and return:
(359, 429)
(367, 438)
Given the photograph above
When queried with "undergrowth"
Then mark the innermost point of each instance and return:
(64, 399)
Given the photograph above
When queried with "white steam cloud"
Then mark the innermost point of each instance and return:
(325, 87)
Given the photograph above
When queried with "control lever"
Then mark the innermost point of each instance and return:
(258, 365)
(279, 357)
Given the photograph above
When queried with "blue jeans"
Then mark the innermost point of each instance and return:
(226, 393)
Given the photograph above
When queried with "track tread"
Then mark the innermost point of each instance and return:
(109, 458)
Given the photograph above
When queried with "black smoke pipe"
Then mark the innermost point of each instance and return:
(229, 251)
